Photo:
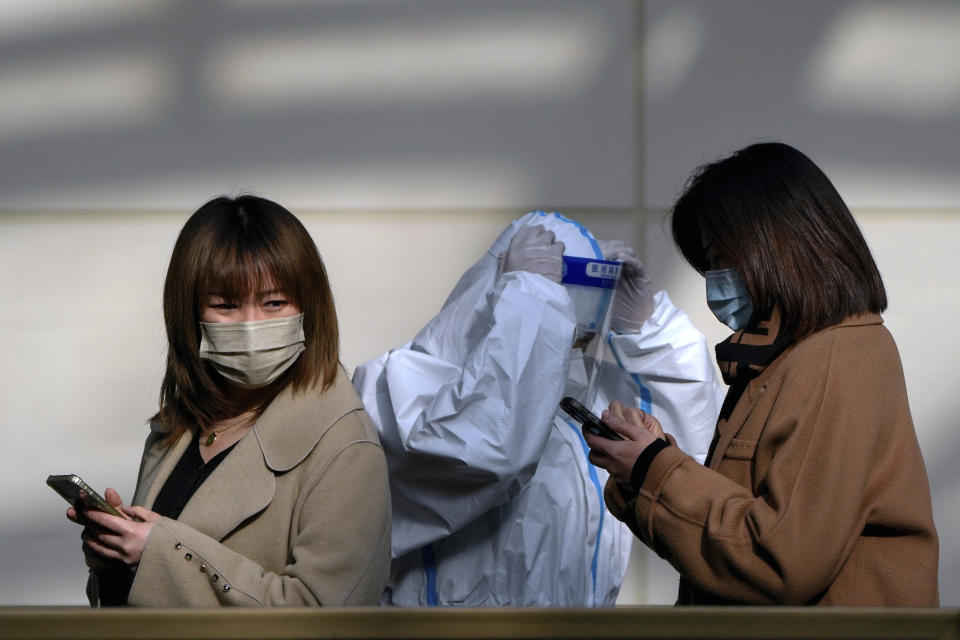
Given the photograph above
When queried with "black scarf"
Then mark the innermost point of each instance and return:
(744, 355)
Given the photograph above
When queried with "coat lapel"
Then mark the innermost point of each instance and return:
(238, 488)
(244, 483)
(728, 430)
(293, 424)
(755, 389)
(241, 486)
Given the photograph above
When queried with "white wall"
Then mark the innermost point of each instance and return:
(424, 127)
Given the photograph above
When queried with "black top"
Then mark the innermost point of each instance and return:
(185, 479)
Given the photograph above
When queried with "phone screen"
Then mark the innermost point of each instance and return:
(585, 417)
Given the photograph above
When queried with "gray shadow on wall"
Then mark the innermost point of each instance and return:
(577, 116)
(869, 90)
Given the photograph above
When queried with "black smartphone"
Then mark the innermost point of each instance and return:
(78, 493)
(585, 417)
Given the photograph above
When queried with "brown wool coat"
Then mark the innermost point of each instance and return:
(297, 514)
(816, 493)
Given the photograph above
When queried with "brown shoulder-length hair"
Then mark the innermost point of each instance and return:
(777, 219)
(233, 247)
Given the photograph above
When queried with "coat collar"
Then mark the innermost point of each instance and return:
(756, 387)
(858, 321)
(294, 423)
(244, 483)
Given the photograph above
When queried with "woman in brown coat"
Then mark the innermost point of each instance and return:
(814, 490)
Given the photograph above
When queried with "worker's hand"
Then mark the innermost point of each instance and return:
(536, 250)
(633, 302)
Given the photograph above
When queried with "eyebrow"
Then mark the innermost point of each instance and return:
(259, 294)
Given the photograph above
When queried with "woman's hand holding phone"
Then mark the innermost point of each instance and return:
(637, 428)
(110, 541)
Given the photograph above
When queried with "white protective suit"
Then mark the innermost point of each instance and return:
(494, 501)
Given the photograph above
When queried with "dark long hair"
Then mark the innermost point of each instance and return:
(777, 218)
(232, 247)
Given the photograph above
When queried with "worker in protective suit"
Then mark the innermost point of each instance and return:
(494, 501)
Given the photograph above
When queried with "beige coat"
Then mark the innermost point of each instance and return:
(297, 514)
(816, 492)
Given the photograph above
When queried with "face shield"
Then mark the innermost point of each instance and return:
(591, 283)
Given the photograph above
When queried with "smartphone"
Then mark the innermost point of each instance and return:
(78, 493)
(585, 417)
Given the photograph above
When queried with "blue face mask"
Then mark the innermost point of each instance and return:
(728, 298)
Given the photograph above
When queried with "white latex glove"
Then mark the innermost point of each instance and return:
(536, 250)
(613, 248)
(633, 302)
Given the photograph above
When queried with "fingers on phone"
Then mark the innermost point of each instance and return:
(136, 513)
(653, 425)
(100, 541)
(100, 521)
(616, 408)
(78, 514)
(635, 417)
(98, 548)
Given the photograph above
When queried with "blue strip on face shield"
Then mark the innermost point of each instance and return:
(591, 284)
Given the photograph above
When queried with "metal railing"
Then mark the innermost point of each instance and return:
(78, 623)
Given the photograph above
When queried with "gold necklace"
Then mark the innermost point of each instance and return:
(213, 434)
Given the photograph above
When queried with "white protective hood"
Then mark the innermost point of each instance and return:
(494, 502)
(447, 333)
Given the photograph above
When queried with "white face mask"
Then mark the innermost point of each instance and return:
(253, 354)
(728, 298)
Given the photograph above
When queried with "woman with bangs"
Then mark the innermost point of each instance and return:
(262, 482)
